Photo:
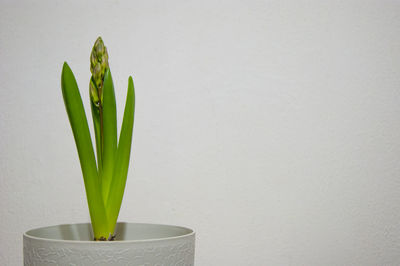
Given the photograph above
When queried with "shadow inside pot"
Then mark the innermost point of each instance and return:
(120, 231)
(80, 232)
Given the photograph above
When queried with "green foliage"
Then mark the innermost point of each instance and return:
(104, 182)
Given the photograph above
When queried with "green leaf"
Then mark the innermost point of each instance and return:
(110, 133)
(80, 129)
(97, 133)
(123, 154)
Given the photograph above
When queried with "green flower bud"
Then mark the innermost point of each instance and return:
(98, 67)
(94, 96)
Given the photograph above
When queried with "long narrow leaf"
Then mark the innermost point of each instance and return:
(109, 131)
(80, 129)
(97, 134)
(123, 154)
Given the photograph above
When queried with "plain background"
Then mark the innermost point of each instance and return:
(270, 127)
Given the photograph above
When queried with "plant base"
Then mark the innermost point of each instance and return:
(110, 238)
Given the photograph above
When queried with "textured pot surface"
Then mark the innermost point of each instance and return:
(135, 244)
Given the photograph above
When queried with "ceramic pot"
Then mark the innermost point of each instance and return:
(135, 244)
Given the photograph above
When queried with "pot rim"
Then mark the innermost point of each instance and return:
(190, 233)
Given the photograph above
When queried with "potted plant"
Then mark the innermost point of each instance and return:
(104, 241)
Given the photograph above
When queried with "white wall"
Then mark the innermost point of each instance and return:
(270, 127)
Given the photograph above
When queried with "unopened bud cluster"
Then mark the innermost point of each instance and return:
(98, 67)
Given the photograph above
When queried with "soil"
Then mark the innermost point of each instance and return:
(110, 238)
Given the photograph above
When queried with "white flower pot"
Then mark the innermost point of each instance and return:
(135, 244)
